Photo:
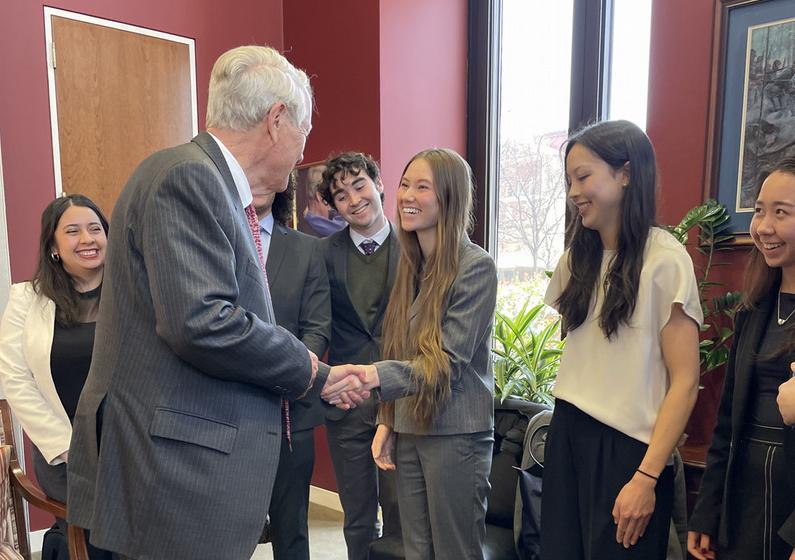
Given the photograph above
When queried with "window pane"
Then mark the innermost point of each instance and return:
(535, 83)
(629, 72)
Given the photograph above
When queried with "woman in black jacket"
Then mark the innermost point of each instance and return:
(745, 506)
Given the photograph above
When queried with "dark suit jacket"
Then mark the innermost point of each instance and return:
(714, 505)
(301, 303)
(351, 340)
(188, 371)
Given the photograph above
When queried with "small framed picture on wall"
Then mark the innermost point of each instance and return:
(752, 103)
(313, 215)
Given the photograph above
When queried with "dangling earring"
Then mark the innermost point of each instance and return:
(56, 257)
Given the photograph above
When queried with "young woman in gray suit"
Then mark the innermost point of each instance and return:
(438, 432)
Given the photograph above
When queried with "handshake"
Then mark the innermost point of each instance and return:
(348, 385)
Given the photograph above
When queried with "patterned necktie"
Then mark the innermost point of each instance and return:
(368, 246)
(253, 225)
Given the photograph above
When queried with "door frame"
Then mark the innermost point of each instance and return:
(48, 13)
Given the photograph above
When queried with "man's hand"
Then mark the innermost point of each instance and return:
(347, 386)
(786, 399)
(633, 508)
(383, 448)
(314, 361)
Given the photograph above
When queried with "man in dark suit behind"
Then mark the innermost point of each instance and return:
(178, 431)
(361, 261)
(301, 303)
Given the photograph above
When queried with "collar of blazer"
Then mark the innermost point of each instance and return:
(751, 334)
(209, 147)
(339, 258)
(462, 248)
(276, 251)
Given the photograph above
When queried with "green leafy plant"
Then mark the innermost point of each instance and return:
(527, 354)
(711, 220)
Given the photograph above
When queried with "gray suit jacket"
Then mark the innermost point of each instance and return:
(188, 371)
(301, 302)
(353, 342)
(467, 324)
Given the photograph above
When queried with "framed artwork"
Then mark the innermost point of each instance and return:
(311, 214)
(752, 102)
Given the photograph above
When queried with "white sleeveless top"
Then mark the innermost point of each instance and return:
(622, 382)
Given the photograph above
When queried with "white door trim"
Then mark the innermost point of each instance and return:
(48, 13)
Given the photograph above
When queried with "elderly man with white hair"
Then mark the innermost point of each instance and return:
(177, 435)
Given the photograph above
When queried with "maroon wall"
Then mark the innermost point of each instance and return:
(423, 81)
(679, 91)
(24, 110)
(337, 44)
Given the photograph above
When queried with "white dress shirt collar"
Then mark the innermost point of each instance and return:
(238, 175)
(379, 237)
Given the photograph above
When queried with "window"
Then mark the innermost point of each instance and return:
(534, 120)
(548, 68)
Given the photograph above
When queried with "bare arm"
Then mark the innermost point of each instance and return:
(635, 503)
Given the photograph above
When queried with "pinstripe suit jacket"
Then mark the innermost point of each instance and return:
(187, 373)
(467, 324)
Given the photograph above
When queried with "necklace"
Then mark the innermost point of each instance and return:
(779, 320)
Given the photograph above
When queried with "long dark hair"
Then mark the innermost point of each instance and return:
(616, 143)
(420, 340)
(760, 280)
(284, 202)
(51, 279)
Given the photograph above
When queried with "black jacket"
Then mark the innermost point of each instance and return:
(714, 505)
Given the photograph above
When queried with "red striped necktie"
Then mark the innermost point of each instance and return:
(253, 224)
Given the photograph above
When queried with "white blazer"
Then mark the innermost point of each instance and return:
(26, 335)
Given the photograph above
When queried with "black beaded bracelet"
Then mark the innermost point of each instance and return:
(655, 478)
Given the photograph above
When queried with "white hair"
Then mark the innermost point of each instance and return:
(247, 81)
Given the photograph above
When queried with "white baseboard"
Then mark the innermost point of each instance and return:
(325, 498)
(36, 539)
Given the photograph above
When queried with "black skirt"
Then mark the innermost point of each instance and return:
(762, 498)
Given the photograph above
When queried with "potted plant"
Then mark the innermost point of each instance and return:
(527, 354)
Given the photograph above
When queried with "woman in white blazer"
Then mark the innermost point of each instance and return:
(47, 333)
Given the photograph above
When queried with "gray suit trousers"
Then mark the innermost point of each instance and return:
(443, 483)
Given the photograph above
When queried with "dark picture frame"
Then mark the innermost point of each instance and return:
(752, 102)
(306, 178)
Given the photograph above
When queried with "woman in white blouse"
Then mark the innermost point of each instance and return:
(628, 378)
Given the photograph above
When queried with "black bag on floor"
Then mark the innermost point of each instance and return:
(528, 543)
(55, 545)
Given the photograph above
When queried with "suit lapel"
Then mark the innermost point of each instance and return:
(208, 144)
(276, 251)
(753, 331)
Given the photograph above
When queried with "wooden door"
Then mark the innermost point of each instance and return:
(120, 96)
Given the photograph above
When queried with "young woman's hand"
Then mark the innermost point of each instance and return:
(786, 399)
(698, 544)
(384, 448)
(633, 508)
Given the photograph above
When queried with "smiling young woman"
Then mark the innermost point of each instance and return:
(47, 335)
(745, 505)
